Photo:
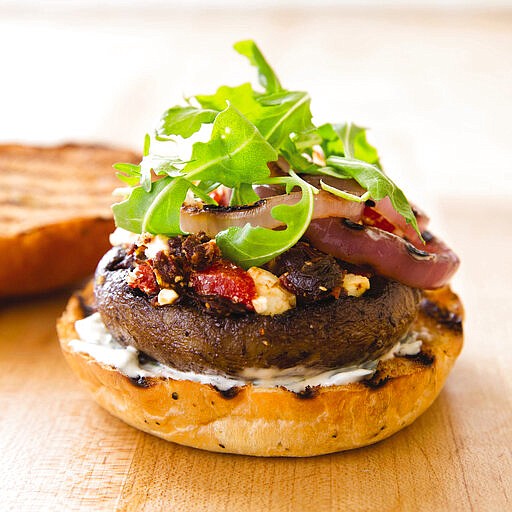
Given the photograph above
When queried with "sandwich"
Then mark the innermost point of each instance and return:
(270, 290)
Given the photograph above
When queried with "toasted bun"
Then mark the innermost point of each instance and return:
(274, 421)
(55, 213)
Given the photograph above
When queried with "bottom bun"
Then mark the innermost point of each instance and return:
(254, 420)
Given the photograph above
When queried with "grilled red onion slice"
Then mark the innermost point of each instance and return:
(398, 224)
(388, 254)
(213, 219)
(390, 220)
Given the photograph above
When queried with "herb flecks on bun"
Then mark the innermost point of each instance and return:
(268, 288)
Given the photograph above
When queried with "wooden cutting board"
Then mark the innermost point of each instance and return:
(62, 452)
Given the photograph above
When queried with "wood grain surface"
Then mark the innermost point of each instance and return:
(62, 452)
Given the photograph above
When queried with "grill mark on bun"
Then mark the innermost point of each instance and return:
(308, 392)
(78, 184)
(228, 394)
(141, 382)
(377, 381)
(422, 357)
(441, 315)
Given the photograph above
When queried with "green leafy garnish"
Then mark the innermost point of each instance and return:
(283, 113)
(242, 97)
(254, 245)
(266, 75)
(376, 183)
(347, 140)
(344, 194)
(128, 173)
(249, 129)
(243, 194)
(157, 211)
(184, 121)
(236, 153)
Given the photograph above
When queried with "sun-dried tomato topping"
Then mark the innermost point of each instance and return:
(143, 278)
(225, 280)
(373, 218)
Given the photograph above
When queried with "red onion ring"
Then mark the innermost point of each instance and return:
(401, 228)
(388, 254)
(213, 219)
(383, 207)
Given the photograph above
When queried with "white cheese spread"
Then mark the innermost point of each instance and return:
(95, 341)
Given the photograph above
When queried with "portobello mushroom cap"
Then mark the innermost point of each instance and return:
(321, 335)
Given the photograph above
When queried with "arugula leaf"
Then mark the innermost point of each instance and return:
(305, 140)
(242, 97)
(296, 159)
(208, 186)
(147, 145)
(243, 194)
(275, 115)
(157, 211)
(128, 173)
(344, 194)
(376, 182)
(145, 171)
(163, 165)
(129, 214)
(163, 215)
(347, 140)
(134, 174)
(236, 152)
(283, 113)
(266, 75)
(202, 194)
(253, 246)
(350, 155)
(183, 121)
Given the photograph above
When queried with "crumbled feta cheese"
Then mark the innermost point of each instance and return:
(153, 243)
(272, 298)
(167, 296)
(355, 285)
(156, 244)
(121, 236)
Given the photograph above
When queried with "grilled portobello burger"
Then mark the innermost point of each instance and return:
(271, 293)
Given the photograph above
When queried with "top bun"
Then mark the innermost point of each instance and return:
(56, 217)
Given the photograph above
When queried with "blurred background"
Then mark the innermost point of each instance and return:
(432, 79)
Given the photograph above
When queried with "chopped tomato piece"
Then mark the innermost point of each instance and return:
(225, 280)
(374, 218)
(143, 278)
